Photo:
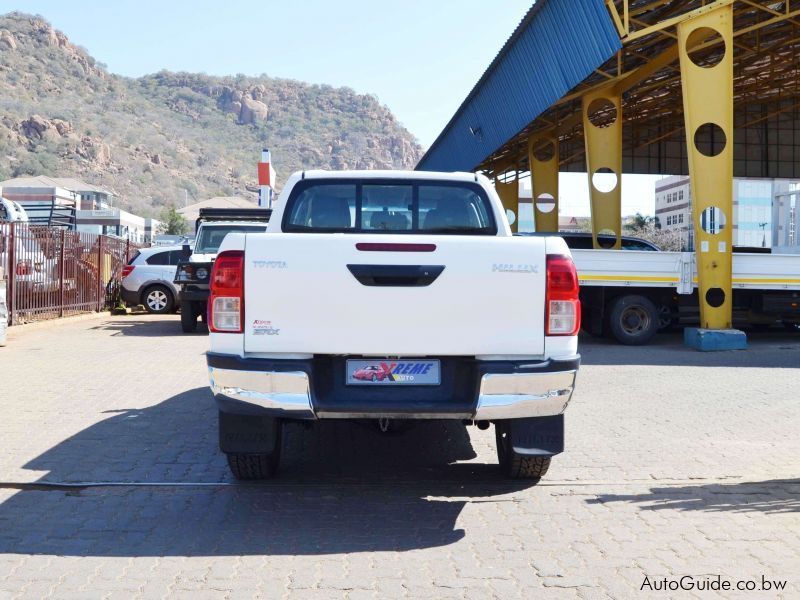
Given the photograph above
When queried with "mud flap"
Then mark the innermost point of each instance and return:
(248, 434)
(537, 436)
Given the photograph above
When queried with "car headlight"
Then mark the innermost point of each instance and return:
(202, 273)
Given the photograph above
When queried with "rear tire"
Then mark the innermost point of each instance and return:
(667, 319)
(633, 320)
(252, 444)
(157, 299)
(250, 467)
(188, 317)
(514, 465)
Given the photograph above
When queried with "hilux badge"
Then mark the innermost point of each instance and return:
(514, 268)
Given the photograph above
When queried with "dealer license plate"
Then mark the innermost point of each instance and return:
(384, 371)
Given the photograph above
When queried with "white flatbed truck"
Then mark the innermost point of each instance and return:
(632, 294)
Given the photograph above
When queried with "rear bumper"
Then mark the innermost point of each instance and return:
(521, 395)
(191, 293)
(130, 297)
(285, 388)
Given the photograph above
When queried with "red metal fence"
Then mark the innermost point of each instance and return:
(52, 272)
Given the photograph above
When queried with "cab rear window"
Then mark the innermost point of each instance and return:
(389, 206)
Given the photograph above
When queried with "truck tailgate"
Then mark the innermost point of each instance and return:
(320, 294)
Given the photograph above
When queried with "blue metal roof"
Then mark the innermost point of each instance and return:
(556, 46)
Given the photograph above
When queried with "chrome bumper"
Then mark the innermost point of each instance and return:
(502, 395)
(520, 395)
(287, 394)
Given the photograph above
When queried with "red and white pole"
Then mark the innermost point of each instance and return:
(266, 180)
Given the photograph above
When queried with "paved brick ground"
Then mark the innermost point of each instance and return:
(678, 463)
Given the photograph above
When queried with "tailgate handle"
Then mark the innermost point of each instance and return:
(396, 275)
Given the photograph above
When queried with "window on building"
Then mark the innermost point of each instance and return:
(669, 220)
(680, 195)
(680, 218)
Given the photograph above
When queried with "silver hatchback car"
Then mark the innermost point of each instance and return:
(148, 277)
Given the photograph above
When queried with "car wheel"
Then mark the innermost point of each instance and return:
(157, 299)
(633, 320)
(513, 464)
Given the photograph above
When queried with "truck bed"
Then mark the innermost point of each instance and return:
(678, 270)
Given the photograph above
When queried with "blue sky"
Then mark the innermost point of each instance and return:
(419, 57)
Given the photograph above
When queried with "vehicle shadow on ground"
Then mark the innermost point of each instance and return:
(766, 349)
(772, 496)
(140, 326)
(343, 488)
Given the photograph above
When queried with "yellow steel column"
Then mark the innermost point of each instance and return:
(543, 160)
(602, 128)
(707, 81)
(509, 195)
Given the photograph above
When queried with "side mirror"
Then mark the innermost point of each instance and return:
(186, 251)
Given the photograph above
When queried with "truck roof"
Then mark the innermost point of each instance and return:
(221, 216)
(389, 174)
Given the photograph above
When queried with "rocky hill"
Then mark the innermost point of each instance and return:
(149, 139)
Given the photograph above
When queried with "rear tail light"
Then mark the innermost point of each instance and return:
(226, 302)
(127, 270)
(23, 267)
(562, 307)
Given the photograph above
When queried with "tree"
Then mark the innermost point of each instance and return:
(172, 222)
(640, 221)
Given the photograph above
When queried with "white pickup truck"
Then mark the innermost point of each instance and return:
(392, 295)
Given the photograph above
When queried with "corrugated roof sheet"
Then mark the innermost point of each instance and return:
(68, 183)
(556, 46)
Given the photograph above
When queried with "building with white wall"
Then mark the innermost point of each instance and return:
(755, 221)
(674, 209)
(55, 200)
(118, 223)
(785, 233)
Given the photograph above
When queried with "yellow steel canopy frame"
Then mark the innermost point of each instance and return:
(708, 115)
(543, 161)
(661, 39)
(602, 126)
(509, 196)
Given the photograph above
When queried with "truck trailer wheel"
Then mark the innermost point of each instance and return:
(633, 320)
(514, 465)
(188, 317)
